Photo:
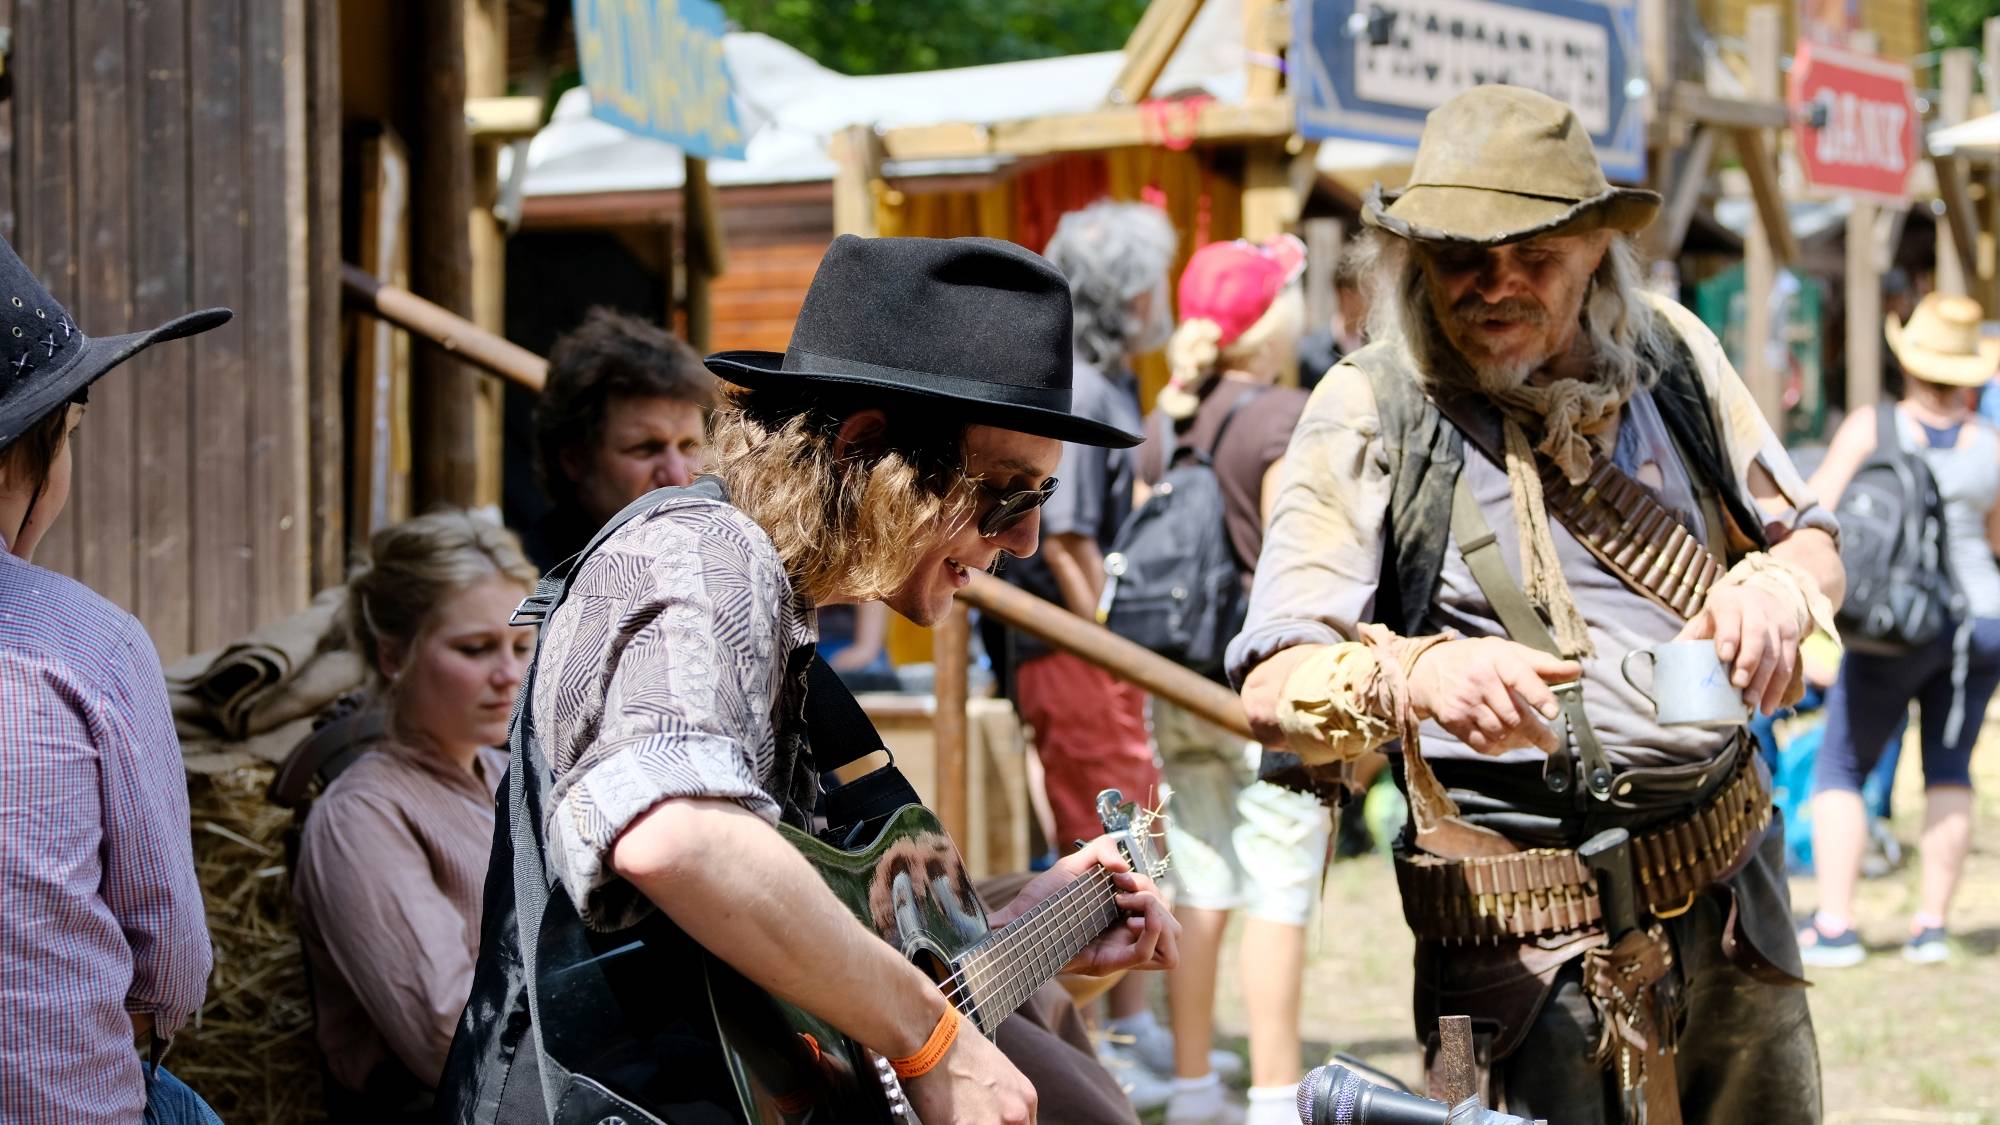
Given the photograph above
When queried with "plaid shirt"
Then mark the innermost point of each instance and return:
(100, 913)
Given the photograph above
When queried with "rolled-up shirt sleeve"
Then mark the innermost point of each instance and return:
(1322, 557)
(659, 685)
(149, 876)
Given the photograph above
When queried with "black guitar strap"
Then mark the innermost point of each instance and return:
(839, 732)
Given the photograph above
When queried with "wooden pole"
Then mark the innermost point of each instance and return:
(1760, 267)
(447, 460)
(1093, 642)
(1260, 52)
(950, 660)
(1864, 291)
(857, 154)
(1955, 267)
(702, 249)
(1454, 1072)
(1989, 212)
(453, 334)
(486, 77)
(327, 434)
(1149, 48)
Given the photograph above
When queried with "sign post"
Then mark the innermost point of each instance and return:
(1854, 121)
(1373, 69)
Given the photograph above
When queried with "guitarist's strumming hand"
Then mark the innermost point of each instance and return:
(1148, 938)
(973, 1085)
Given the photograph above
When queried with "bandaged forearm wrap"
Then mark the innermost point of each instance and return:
(1790, 583)
(1348, 699)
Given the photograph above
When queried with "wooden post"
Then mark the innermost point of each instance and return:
(1260, 53)
(1149, 48)
(1455, 1070)
(857, 154)
(326, 430)
(1864, 291)
(1270, 196)
(1989, 216)
(486, 77)
(1955, 271)
(1760, 267)
(702, 249)
(447, 461)
(950, 660)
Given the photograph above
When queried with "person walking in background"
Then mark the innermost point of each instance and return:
(624, 411)
(392, 863)
(102, 937)
(1953, 677)
(1090, 727)
(1237, 843)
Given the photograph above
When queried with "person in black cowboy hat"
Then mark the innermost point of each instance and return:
(102, 934)
(905, 439)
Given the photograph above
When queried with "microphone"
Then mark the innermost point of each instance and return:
(1335, 1095)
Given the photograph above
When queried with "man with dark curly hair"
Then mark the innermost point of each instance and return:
(625, 411)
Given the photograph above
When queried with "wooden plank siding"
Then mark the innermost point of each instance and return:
(153, 160)
(1898, 25)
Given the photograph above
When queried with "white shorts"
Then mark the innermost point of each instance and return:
(1236, 843)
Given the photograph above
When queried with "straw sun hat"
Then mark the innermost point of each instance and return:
(1942, 343)
(1500, 164)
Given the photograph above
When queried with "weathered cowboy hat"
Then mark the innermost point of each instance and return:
(46, 360)
(975, 328)
(1500, 164)
(1942, 342)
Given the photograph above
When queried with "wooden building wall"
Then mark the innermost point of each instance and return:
(155, 158)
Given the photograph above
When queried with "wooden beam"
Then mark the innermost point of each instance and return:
(327, 432)
(1767, 242)
(703, 252)
(1957, 245)
(1151, 45)
(1090, 130)
(1670, 230)
(445, 329)
(485, 81)
(504, 117)
(1694, 102)
(446, 392)
(857, 155)
(1989, 175)
(1260, 53)
(1864, 289)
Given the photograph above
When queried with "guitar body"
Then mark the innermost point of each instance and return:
(908, 885)
(653, 1018)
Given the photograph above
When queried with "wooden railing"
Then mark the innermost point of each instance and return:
(951, 639)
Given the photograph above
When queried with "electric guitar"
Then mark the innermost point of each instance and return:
(708, 1046)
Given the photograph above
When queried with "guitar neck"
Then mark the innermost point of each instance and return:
(1000, 974)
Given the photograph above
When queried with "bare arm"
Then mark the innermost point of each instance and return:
(1809, 548)
(1851, 445)
(728, 879)
(871, 629)
(1993, 529)
(1078, 567)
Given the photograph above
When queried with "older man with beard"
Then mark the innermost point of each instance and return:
(1534, 471)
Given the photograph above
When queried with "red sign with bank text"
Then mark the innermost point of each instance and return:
(1854, 118)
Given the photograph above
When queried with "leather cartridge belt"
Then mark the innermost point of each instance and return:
(1549, 890)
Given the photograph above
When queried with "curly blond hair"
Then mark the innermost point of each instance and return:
(853, 527)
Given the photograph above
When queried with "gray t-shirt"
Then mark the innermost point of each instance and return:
(1095, 494)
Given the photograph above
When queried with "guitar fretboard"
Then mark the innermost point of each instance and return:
(1000, 974)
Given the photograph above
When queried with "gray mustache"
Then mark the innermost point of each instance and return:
(1517, 310)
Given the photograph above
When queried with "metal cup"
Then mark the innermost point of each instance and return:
(1690, 685)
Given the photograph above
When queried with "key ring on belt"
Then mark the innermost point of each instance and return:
(1597, 775)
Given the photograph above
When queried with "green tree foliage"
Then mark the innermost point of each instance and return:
(892, 36)
(1959, 22)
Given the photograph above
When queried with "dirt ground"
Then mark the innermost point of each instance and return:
(1898, 1042)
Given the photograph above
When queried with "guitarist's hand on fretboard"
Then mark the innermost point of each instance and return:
(1148, 937)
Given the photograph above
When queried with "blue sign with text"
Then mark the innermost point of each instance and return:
(655, 67)
(1371, 69)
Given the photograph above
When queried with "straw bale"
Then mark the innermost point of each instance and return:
(251, 1051)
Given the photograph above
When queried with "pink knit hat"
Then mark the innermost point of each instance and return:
(1234, 283)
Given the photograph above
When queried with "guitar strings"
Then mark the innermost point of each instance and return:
(978, 976)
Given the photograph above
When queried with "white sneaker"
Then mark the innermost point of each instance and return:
(1154, 1046)
(1144, 1089)
(1209, 1107)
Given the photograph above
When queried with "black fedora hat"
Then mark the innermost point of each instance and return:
(973, 327)
(45, 359)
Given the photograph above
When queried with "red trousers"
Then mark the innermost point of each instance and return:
(1090, 732)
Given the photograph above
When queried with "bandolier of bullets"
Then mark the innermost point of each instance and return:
(1630, 531)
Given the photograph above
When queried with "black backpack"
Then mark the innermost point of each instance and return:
(1900, 594)
(1171, 580)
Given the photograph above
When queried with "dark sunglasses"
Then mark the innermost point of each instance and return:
(1013, 507)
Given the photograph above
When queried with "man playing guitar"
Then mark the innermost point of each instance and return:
(905, 439)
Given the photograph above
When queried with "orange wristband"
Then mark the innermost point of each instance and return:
(934, 1048)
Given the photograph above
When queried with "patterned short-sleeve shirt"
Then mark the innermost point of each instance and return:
(669, 672)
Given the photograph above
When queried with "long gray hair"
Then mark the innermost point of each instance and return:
(1112, 254)
(1623, 327)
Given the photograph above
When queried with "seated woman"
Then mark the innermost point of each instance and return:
(392, 864)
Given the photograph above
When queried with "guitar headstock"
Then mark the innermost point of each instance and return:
(1137, 829)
